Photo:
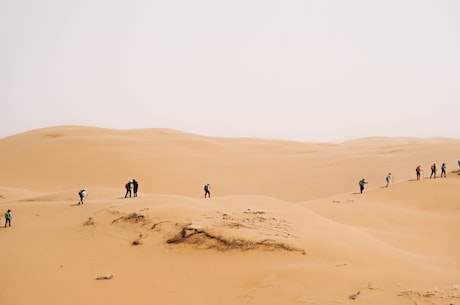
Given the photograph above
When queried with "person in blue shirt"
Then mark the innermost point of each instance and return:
(8, 217)
(387, 178)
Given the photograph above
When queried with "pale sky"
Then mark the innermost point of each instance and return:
(317, 70)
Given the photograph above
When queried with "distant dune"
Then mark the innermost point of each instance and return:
(285, 223)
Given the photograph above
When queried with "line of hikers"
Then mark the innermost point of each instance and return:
(434, 170)
(362, 183)
(134, 185)
(418, 172)
(207, 188)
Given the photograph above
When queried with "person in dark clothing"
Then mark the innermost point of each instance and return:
(362, 183)
(418, 171)
(443, 170)
(128, 188)
(135, 187)
(82, 194)
(433, 170)
(207, 191)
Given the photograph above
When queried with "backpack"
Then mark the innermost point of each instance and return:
(432, 167)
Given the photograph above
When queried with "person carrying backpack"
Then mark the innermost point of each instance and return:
(443, 170)
(128, 188)
(418, 172)
(207, 191)
(433, 170)
(82, 193)
(387, 178)
(8, 217)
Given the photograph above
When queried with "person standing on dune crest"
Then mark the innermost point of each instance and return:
(418, 171)
(135, 187)
(362, 183)
(128, 188)
(443, 170)
(82, 193)
(8, 217)
(387, 178)
(433, 170)
(207, 191)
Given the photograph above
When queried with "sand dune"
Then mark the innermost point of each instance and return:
(285, 224)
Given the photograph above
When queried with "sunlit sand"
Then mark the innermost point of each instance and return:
(285, 223)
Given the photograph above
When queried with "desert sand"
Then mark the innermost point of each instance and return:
(285, 223)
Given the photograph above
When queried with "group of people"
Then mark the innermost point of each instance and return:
(418, 171)
(434, 171)
(135, 187)
(131, 184)
(362, 183)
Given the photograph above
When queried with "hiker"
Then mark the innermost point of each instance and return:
(418, 170)
(433, 170)
(82, 193)
(135, 187)
(362, 183)
(8, 217)
(128, 188)
(443, 170)
(206, 191)
(387, 178)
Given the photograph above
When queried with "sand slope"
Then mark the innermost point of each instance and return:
(285, 224)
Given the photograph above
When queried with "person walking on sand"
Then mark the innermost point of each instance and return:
(433, 170)
(443, 170)
(387, 178)
(128, 188)
(207, 191)
(418, 171)
(8, 217)
(362, 183)
(135, 187)
(82, 193)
